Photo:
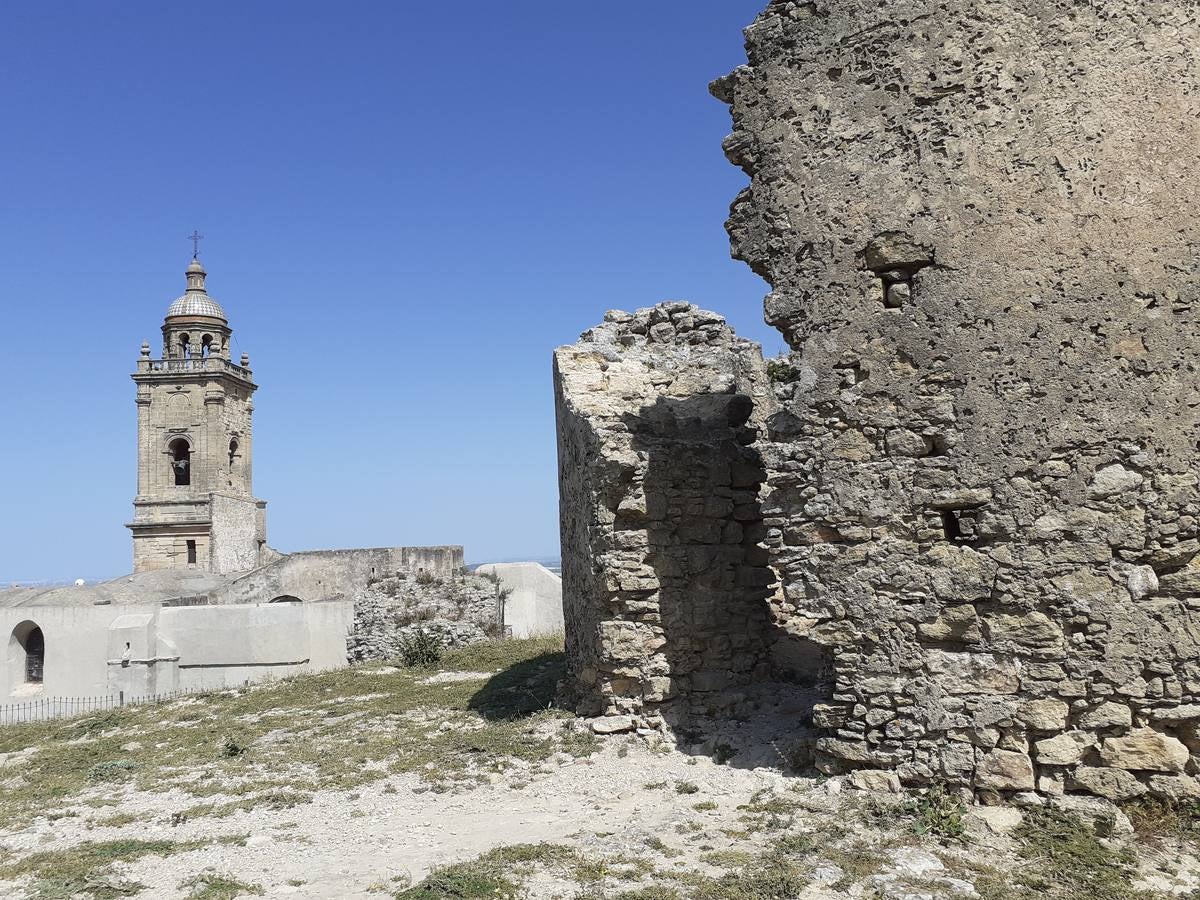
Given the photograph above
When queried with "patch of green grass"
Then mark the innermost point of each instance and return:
(857, 862)
(333, 730)
(1070, 861)
(768, 811)
(464, 881)
(491, 875)
(218, 886)
(87, 868)
(728, 859)
(704, 806)
(686, 787)
(116, 820)
(769, 876)
(274, 800)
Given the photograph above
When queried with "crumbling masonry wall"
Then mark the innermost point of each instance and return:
(664, 579)
(981, 226)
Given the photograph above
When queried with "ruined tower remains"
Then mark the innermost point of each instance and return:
(195, 505)
(981, 227)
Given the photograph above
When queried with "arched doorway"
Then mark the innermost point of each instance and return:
(27, 654)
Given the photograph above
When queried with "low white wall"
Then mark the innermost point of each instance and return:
(76, 648)
(534, 608)
(171, 648)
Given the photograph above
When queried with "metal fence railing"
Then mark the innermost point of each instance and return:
(36, 710)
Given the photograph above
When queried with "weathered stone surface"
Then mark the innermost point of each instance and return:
(1145, 749)
(1005, 770)
(974, 473)
(875, 780)
(1112, 784)
(1107, 715)
(454, 610)
(1063, 749)
(665, 580)
(613, 724)
(1046, 714)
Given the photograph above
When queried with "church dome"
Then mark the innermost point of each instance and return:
(195, 301)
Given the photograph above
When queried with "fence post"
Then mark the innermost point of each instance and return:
(122, 699)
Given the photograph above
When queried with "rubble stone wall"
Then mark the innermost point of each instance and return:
(664, 581)
(981, 227)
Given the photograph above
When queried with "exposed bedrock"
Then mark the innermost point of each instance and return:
(981, 226)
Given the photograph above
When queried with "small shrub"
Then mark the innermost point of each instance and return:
(421, 648)
(938, 812)
(217, 886)
(112, 770)
(424, 578)
(780, 370)
(465, 881)
(232, 747)
(686, 787)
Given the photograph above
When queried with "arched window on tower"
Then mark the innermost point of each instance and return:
(206, 345)
(233, 449)
(181, 462)
(185, 349)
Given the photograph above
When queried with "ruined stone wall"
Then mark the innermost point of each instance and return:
(458, 610)
(664, 581)
(981, 226)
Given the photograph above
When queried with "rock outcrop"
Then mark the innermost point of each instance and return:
(981, 227)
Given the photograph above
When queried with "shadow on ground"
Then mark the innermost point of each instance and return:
(522, 689)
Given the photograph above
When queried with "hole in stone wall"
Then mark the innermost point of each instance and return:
(960, 526)
(951, 525)
(191, 552)
(897, 289)
(937, 445)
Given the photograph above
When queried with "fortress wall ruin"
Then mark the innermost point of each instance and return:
(664, 583)
(981, 227)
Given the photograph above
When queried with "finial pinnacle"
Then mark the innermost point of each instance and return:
(195, 237)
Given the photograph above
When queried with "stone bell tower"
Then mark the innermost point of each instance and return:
(195, 507)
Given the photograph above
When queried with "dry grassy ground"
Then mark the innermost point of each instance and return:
(462, 780)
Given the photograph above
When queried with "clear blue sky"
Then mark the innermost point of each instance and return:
(407, 207)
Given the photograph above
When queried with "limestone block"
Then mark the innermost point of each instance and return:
(613, 724)
(1005, 770)
(875, 780)
(973, 673)
(1145, 750)
(1063, 749)
(1046, 714)
(1114, 479)
(1034, 629)
(1179, 788)
(1107, 715)
(1112, 784)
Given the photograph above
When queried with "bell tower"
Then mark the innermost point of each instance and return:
(195, 507)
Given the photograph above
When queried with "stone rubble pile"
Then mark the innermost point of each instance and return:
(391, 610)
